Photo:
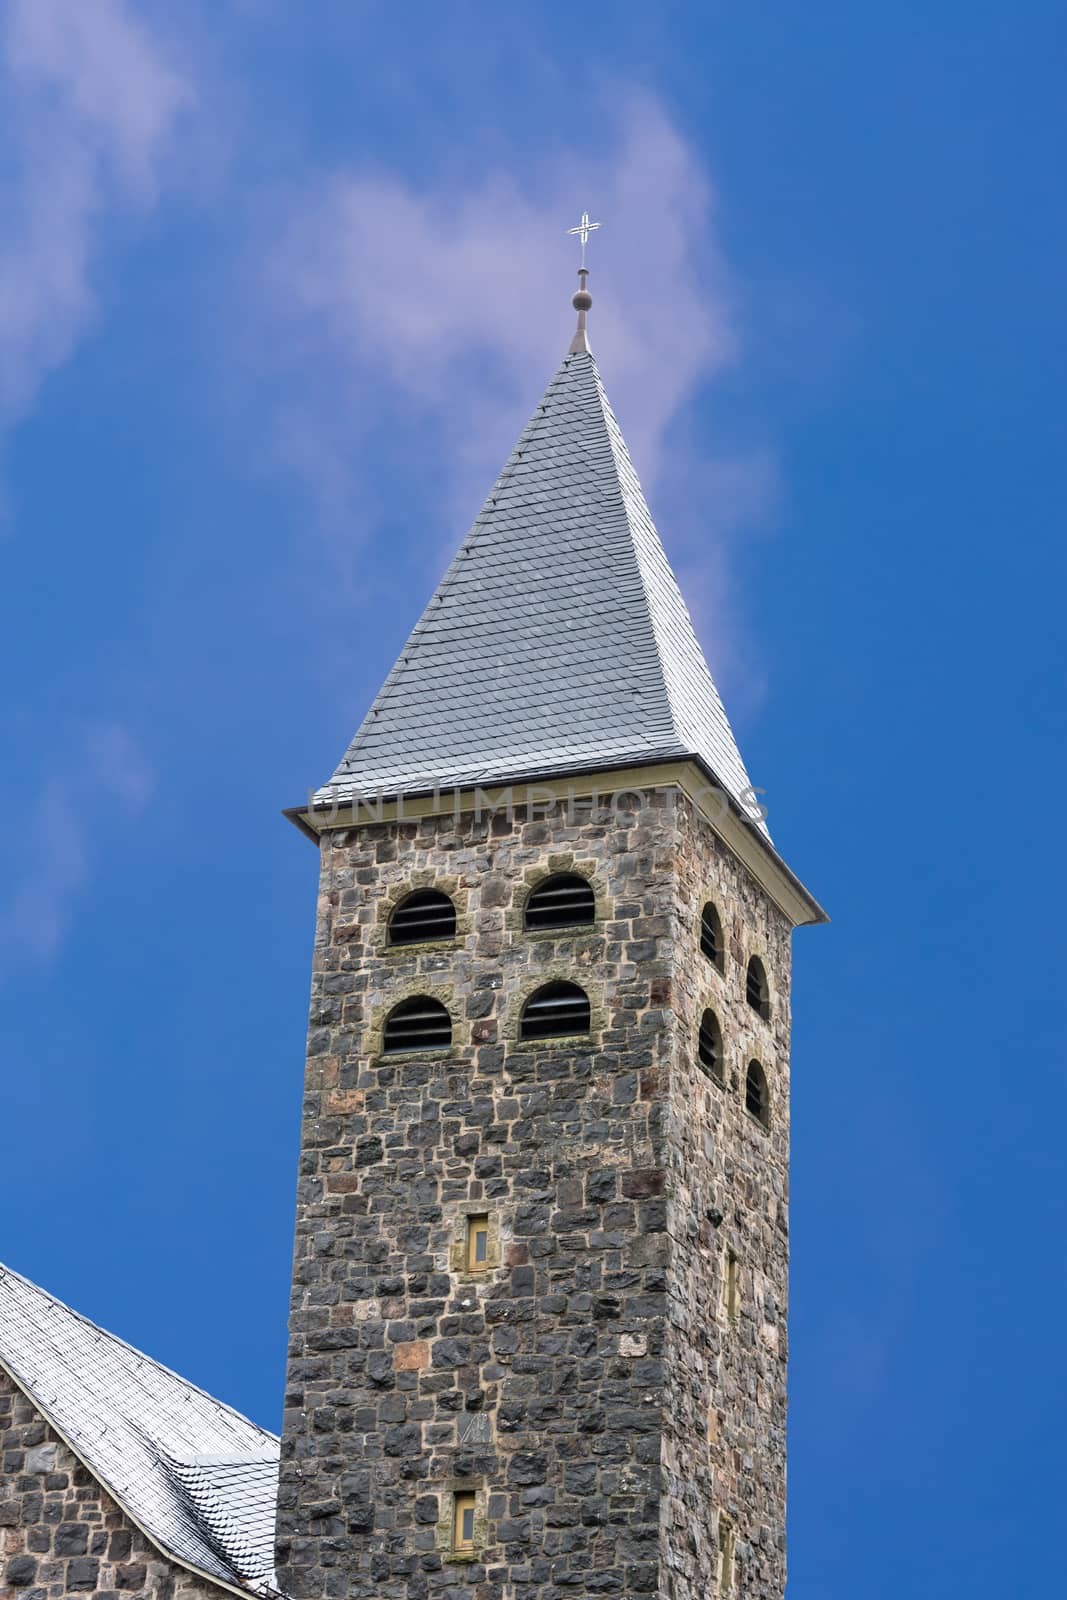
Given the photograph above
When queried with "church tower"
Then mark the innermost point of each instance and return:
(538, 1335)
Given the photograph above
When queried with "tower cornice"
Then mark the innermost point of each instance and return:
(691, 776)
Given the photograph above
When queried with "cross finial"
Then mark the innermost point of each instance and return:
(582, 231)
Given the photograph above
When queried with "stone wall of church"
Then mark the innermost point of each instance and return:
(61, 1533)
(585, 1387)
(537, 1384)
(728, 1187)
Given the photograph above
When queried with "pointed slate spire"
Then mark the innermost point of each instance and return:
(558, 640)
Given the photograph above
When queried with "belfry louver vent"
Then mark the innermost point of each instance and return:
(564, 901)
(555, 1010)
(709, 1046)
(418, 1024)
(420, 917)
(757, 1100)
(711, 940)
(756, 991)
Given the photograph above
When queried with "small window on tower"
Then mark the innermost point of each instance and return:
(726, 1555)
(554, 1011)
(422, 917)
(711, 939)
(757, 993)
(463, 1522)
(731, 1286)
(709, 1047)
(563, 901)
(477, 1243)
(757, 1100)
(418, 1024)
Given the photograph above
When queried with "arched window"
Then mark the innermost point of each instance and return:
(709, 1047)
(427, 914)
(757, 1100)
(711, 940)
(555, 1010)
(757, 993)
(418, 1024)
(563, 901)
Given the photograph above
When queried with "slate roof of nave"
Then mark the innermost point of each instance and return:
(199, 1478)
(558, 640)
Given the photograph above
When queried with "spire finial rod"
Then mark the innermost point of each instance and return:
(582, 300)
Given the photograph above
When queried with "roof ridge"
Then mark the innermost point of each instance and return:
(620, 456)
(114, 1338)
(662, 594)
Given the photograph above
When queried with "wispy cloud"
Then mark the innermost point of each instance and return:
(457, 296)
(103, 767)
(441, 311)
(89, 107)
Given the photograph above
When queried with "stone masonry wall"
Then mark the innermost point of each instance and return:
(570, 1386)
(61, 1533)
(539, 1383)
(725, 1413)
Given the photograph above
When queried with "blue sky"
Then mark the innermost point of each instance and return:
(278, 288)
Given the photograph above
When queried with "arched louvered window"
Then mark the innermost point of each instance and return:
(711, 940)
(418, 1024)
(555, 1010)
(709, 1047)
(563, 901)
(427, 914)
(757, 993)
(757, 1100)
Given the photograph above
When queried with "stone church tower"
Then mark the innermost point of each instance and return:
(538, 1334)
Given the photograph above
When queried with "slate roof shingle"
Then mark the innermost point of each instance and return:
(558, 638)
(198, 1477)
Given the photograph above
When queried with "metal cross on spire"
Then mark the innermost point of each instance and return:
(582, 232)
(583, 299)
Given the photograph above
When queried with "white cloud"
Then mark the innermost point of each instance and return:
(449, 293)
(103, 768)
(89, 106)
(443, 311)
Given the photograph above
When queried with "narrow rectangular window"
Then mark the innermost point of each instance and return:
(726, 1555)
(731, 1286)
(477, 1244)
(463, 1522)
